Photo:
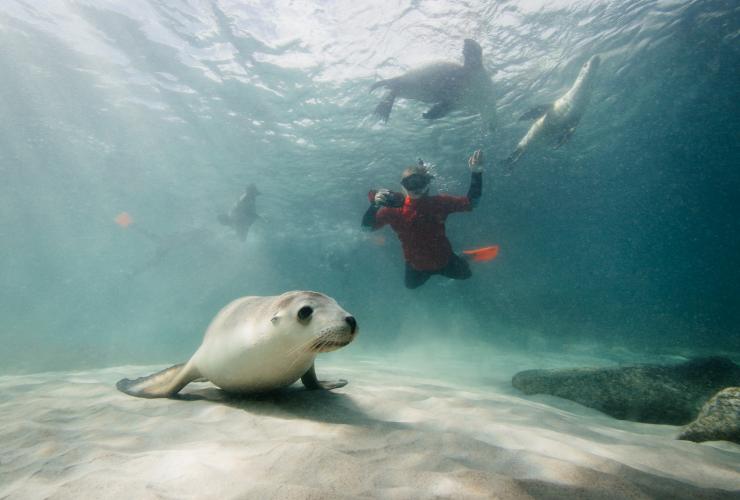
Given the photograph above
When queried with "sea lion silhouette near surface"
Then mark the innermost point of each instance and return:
(257, 344)
(447, 85)
(556, 122)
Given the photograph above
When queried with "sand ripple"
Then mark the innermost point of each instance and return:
(389, 434)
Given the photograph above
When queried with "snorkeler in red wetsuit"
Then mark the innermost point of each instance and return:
(419, 221)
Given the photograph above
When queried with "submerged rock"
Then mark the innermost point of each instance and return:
(719, 419)
(659, 394)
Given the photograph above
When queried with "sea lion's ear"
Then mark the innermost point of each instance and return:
(274, 320)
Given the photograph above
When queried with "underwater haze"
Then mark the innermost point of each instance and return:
(622, 242)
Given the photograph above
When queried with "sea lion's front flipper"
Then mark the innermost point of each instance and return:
(438, 110)
(507, 165)
(312, 383)
(389, 83)
(566, 135)
(383, 110)
(163, 384)
(535, 112)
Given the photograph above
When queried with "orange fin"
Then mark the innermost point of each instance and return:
(124, 220)
(482, 254)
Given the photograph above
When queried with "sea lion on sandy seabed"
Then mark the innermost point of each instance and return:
(257, 344)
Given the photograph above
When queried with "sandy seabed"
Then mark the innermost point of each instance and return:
(401, 429)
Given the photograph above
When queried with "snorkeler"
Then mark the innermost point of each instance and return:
(419, 221)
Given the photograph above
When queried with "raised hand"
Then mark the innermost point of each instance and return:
(475, 162)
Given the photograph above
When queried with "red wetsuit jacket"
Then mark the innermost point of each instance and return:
(420, 225)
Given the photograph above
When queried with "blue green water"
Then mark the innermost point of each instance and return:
(627, 238)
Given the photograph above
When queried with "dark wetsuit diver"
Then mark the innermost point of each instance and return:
(419, 221)
(244, 212)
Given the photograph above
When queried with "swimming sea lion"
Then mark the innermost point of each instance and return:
(447, 85)
(257, 344)
(244, 212)
(557, 121)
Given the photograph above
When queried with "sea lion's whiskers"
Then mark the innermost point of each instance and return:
(300, 347)
(296, 350)
(292, 363)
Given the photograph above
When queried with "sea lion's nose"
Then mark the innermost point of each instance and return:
(352, 322)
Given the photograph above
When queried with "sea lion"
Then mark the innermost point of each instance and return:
(557, 121)
(447, 85)
(244, 212)
(257, 344)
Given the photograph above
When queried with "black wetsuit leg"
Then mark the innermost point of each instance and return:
(457, 268)
(415, 278)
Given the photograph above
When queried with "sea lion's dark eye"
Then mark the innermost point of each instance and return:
(304, 313)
